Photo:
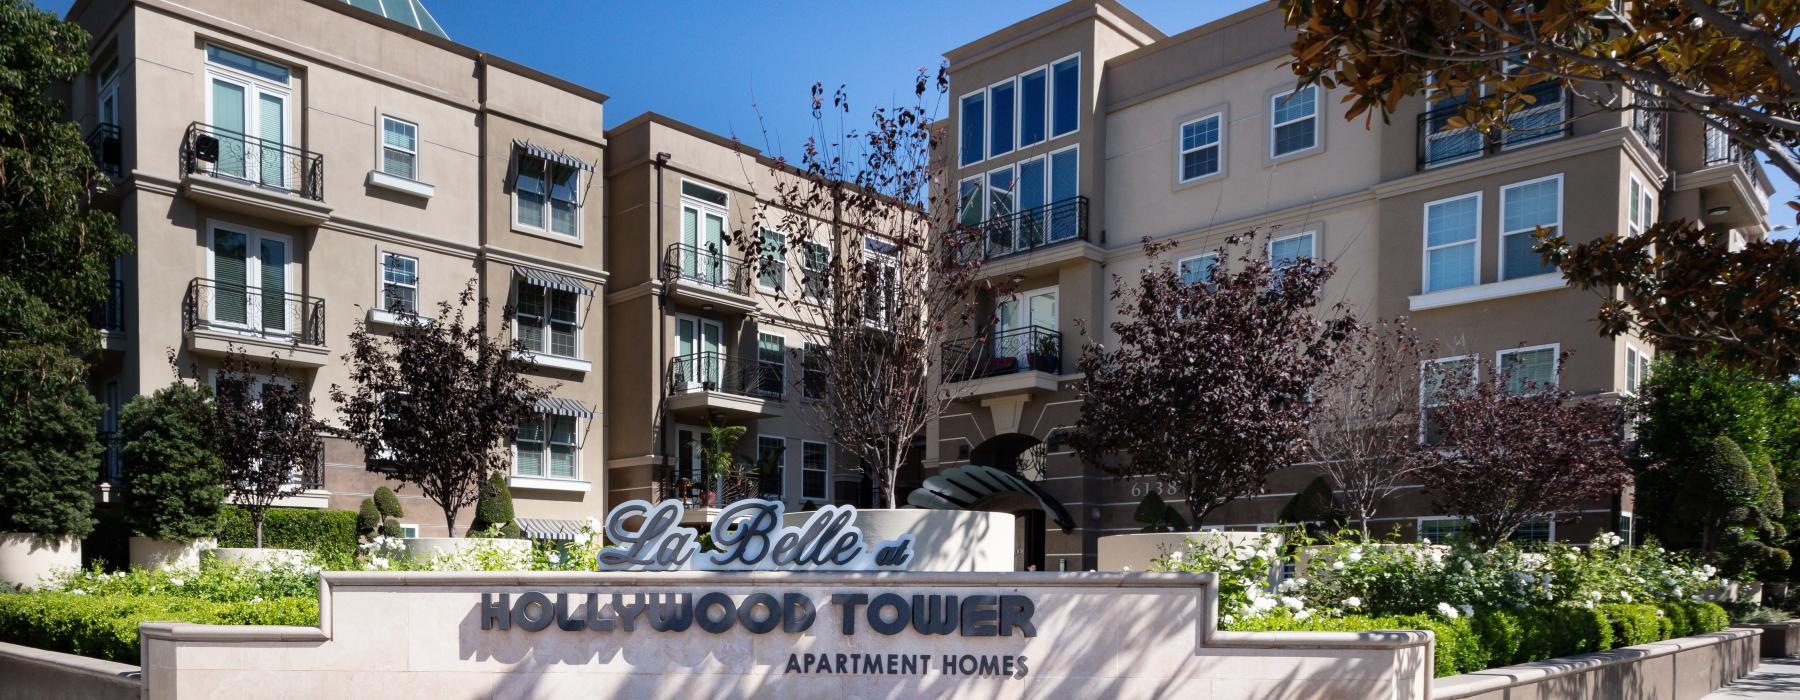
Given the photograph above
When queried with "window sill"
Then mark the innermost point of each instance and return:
(1486, 292)
(383, 317)
(548, 235)
(399, 184)
(539, 483)
(554, 362)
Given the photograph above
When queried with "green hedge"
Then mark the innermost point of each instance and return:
(106, 627)
(330, 534)
(1501, 637)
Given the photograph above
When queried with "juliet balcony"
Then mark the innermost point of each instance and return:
(705, 384)
(1441, 143)
(252, 175)
(218, 316)
(107, 145)
(707, 278)
(1004, 362)
(1034, 238)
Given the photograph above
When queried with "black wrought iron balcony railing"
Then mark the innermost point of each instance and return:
(714, 371)
(109, 315)
(1027, 349)
(1653, 127)
(266, 163)
(708, 266)
(1722, 149)
(1031, 229)
(697, 491)
(237, 308)
(1440, 143)
(112, 461)
(107, 144)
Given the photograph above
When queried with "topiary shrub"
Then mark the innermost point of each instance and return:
(328, 534)
(1633, 624)
(368, 517)
(49, 450)
(391, 528)
(495, 509)
(388, 503)
(1707, 617)
(173, 480)
(1501, 633)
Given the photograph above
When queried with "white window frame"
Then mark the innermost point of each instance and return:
(1050, 132)
(518, 290)
(1312, 249)
(253, 85)
(1318, 102)
(1641, 196)
(1181, 153)
(1215, 263)
(1019, 107)
(891, 263)
(1561, 193)
(381, 283)
(382, 146)
(703, 208)
(406, 528)
(253, 265)
(806, 351)
(1426, 249)
(1634, 369)
(781, 360)
(763, 252)
(574, 457)
(782, 469)
(519, 157)
(825, 497)
(961, 133)
(1555, 361)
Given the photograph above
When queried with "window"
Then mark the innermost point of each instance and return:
(703, 243)
(881, 290)
(548, 320)
(544, 196)
(972, 201)
(973, 136)
(1526, 370)
(409, 530)
(1523, 209)
(1452, 235)
(253, 273)
(1198, 269)
(1065, 96)
(771, 466)
(695, 190)
(770, 270)
(1633, 376)
(399, 148)
(545, 447)
(1627, 527)
(1439, 381)
(1065, 186)
(253, 66)
(1640, 207)
(1200, 148)
(812, 366)
(1002, 101)
(1293, 121)
(771, 365)
(247, 102)
(815, 268)
(815, 464)
(1034, 92)
(1289, 251)
(399, 283)
(1440, 530)
(1535, 531)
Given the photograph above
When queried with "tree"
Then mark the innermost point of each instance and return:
(1727, 63)
(265, 433)
(1368, 418)
(885, 281)
(724, 471)
(1209, 385)
(1729, 507)
(1509, 458)
(49, 456)
(174, 481)
(434, 403)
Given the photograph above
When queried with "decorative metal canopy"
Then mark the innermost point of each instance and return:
(966, 487)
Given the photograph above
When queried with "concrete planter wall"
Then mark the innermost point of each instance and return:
(1779, 639)
(943, 540)
(30, 560)
(248, 556)
(1136, 551)
(424, 548)
(1675, 669)
(148, 553)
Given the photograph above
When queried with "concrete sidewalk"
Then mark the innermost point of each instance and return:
(1774, 678)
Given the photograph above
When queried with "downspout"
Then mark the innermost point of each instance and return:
(658, 370)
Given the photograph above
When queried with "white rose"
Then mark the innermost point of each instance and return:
(1446, 610)
(1352, 602)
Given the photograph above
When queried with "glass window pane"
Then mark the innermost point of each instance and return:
(1000, 119)
(1287, 251)
(399, 134)
(703, 193)
(1529, 370)
(1199, 133)
(1531, 205)
(974, 118)
(1450, 267)
(1033, 91)
(254, 66)
(398, 163)
(1297, 136)
(529, 188)
(1199, 163)
(1065, 114)
(1295, 105)
(1520, 258)
(1197, 270)
(1451, 222)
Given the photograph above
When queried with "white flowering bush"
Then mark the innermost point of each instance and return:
(211, 581)
(1243, 570)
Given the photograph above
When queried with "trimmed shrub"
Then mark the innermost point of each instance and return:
(1459, 649)
(391, 528)
(173, 480)
(1500, 633)
(1633, 624)
(388, 502)
(106, 627)
(1680, 623)
(49, 450)
(329, 534)
(368, 517)
(495, 509)
(1707, 617)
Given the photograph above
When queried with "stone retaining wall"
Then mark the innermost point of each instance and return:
(1674, 669)
(35, 674)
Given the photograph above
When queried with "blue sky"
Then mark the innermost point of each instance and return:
(744, 69)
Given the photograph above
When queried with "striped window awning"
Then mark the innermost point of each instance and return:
(559, 406)
(552, 156)
(549, 528)
(553, 280)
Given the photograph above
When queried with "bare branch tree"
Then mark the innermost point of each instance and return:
(265, 433)
(1367, 418)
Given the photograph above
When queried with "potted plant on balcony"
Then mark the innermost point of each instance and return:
(718, 457)
(1045, 355)
(173, 478)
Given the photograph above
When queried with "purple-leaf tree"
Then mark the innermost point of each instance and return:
(1210, 379)
(1506, 452)
(434, 402)
(1367, 418)
(265, 433)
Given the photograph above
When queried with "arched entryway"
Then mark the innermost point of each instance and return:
(1001, 477)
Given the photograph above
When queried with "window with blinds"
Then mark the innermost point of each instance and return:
(545, 446)
(399, 148)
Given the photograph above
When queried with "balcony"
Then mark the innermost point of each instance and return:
(1441, 144)
(251, 175)
(702, 498)
(1006, 362)
(112, 461)
(707, 278)
(1733, 188)
(1653, 128)
(109, 317)
(106, 143)
(219, 316)
(709, 383)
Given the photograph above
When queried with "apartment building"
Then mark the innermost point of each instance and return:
(701, 335)
(1076, 133)
(289, 169)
